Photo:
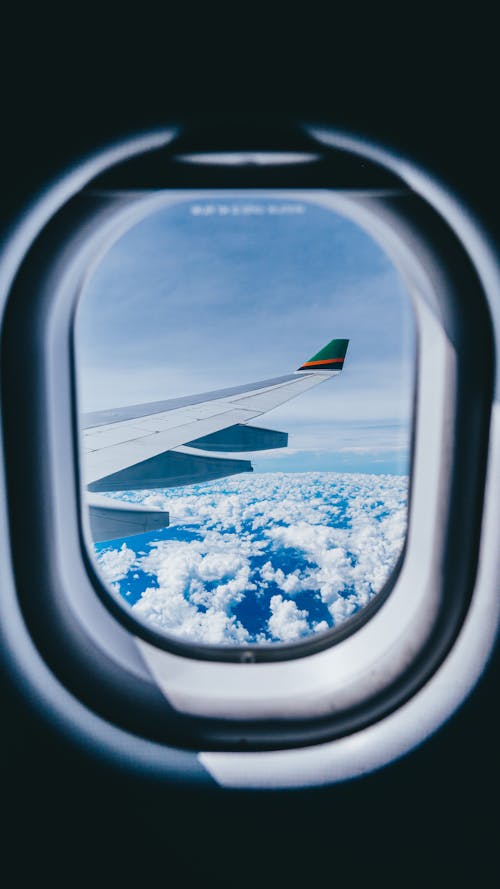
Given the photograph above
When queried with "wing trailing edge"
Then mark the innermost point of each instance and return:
(170, 470)
(241, 437)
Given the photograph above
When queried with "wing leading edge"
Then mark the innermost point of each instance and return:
(144, 445)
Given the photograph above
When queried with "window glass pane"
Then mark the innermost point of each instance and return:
(208, 522)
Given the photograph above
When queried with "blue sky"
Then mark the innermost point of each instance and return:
(216, 291)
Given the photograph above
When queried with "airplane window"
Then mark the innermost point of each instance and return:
(245, 374)
(289, 526)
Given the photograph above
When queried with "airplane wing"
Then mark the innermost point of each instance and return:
(150, 445)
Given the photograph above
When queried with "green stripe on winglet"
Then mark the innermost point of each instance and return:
(334, 349)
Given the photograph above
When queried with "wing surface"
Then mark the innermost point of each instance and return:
(143, 445)
(117, 439)
(115, 445)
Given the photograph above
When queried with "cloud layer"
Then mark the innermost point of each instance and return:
(270, 558)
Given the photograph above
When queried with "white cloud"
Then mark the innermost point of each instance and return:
(287, 622)
(373, 449)
(281, 540)
(199, 583)
(116, 563)
(172, 612)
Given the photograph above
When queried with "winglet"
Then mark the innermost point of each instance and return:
(330, 357)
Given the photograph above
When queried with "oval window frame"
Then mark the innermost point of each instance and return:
(61, 566)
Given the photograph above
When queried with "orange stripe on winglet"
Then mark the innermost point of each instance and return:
(323, 361)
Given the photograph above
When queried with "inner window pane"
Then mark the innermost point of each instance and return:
(208, 522)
